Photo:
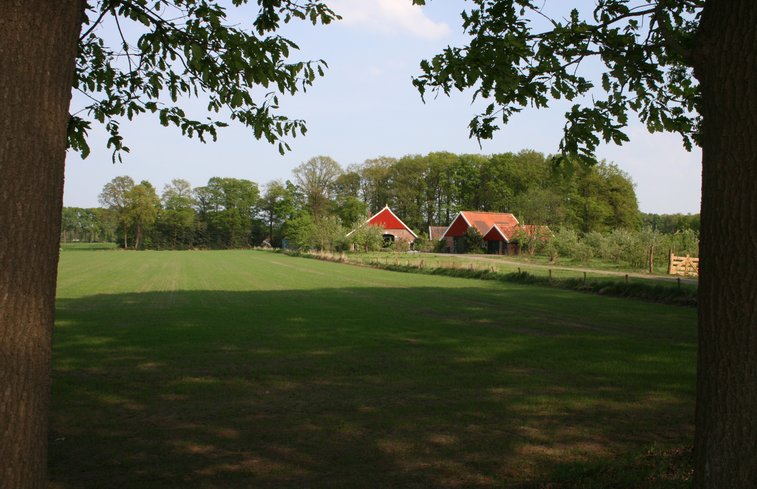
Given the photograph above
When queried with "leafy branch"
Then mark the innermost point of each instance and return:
(642, 46)
(191, 53)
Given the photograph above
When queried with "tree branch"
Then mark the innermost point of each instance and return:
(94, 24)
(667, 34)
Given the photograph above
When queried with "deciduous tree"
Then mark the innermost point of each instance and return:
(234, 204)
(375, 182)
(317, 178)
(115, 197)
(182, 47)
(684, 66)
(178, 216)
(142, 211)
(276, 204)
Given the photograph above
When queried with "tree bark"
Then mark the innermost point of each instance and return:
(126, 236)
(138, 238)
(38, 42)
(725, 63)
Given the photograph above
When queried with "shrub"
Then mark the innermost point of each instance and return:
(564, 242)
(366, 238)
(440, 246)
(582, 252)
(400, 245)
(423, 244)
(473, 242)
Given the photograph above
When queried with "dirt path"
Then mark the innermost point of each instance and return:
(594, 271)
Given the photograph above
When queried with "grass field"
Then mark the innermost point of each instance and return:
(241, 369)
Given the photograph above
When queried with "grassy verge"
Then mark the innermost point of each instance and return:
(82, 246)
(648, 290)
(238, 369)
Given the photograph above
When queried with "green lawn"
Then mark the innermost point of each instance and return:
(242, 369)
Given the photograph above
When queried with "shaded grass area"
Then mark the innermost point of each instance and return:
(253, 369)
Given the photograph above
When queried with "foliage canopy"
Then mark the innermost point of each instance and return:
(165, 50)
(512, 63)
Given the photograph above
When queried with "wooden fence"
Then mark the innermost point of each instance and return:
(684, 266)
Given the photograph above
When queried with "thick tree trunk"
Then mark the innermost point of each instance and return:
(38, 40)
(726, 414)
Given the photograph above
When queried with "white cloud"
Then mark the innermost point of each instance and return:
(390, 17)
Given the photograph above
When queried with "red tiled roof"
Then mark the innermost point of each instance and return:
(510, 232)
(483, 222)
(436, 232)
(499, 231)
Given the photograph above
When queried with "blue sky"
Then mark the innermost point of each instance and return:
(366, 107)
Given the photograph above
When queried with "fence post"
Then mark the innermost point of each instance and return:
(550, 274)
(584, 277)
(626, 278)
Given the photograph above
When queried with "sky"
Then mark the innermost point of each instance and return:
(364, 107)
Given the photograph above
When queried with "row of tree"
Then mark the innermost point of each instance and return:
(431, 189)
(423, 190)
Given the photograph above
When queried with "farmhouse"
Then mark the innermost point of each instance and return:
(500, 231)
(394, 228)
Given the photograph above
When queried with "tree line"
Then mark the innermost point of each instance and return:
(322, 201)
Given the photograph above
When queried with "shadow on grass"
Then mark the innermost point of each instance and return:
(361, 387)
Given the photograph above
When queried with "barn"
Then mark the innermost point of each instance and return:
(394, 228)
(500, 231)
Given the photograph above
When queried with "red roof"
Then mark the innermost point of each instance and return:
(498, 232)
(388, 220)
(504, 222)
(436, 232)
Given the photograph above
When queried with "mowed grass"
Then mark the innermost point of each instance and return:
(243, 369)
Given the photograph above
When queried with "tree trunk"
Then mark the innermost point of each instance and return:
(725, 63)
(38, 42)
(138, 237)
